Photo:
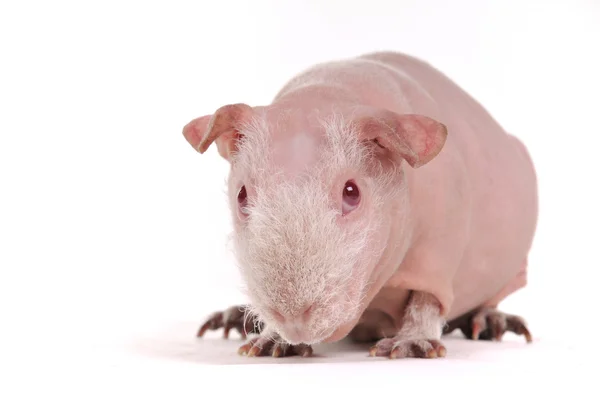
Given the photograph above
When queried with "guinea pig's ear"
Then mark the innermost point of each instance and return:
(222, 127)
(416, 138)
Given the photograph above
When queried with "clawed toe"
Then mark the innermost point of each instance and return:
(266, 346)
(256, 347)
(399, 348)
(490, 324)
(234, 317)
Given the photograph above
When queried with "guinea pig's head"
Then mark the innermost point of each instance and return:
(313, 207)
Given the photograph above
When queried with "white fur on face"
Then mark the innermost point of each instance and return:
(292, 251)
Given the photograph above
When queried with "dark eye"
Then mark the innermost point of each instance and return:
(350, 197)
(242, 199)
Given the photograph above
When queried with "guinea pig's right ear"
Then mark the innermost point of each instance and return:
(222, 127)
(415, 138)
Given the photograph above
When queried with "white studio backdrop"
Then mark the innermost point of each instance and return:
(111, 226)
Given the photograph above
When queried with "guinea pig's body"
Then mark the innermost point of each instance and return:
(375, 198)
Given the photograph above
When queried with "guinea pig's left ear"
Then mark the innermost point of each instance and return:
(416, 138)
(222, 127)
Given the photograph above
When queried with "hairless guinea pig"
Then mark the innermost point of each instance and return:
(374, 199)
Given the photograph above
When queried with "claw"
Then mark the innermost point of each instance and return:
(527, 335)
(432, 353)
(226, 329)
(517, 325)
(202, 330)
(491, 324)
(278, 351)
(442, 351)
(373, 351)
(254, 351)
(307, 352)
(215, 321)
(243, 350)
(498, 332)
(397, 347)
(476, 331)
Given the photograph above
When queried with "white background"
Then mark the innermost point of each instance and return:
(113, 230)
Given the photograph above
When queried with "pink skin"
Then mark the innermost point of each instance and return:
(455, 227)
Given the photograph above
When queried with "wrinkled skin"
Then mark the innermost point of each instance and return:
(441, 230)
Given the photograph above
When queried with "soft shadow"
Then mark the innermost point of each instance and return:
(178, 343)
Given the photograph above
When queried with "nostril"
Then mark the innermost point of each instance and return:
(304, 314)
(307, 312)
(277, 315)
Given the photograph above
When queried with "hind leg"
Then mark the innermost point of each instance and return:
(487, 323)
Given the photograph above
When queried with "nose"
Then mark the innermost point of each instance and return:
(302, 315)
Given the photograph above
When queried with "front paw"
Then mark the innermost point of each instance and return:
(234, 317)
(271, 345)
(398, 347)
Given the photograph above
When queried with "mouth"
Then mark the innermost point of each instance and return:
(323, 327)
(298, 335)
(322, 318)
